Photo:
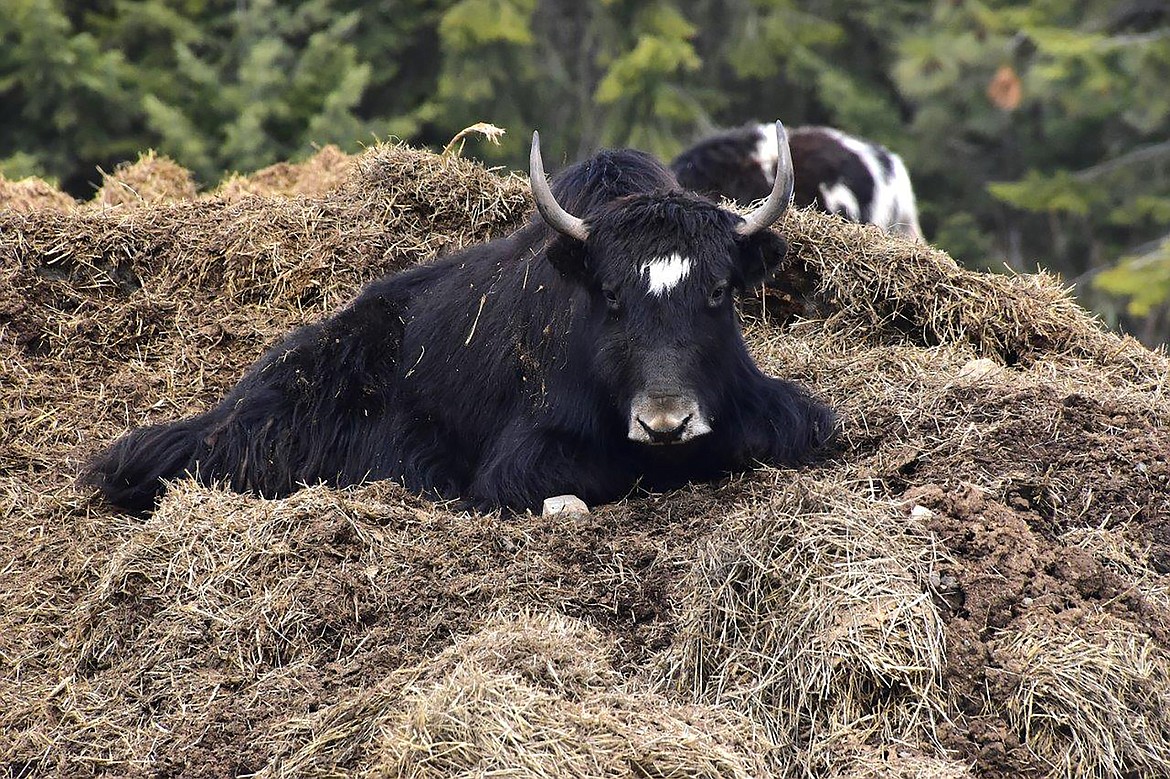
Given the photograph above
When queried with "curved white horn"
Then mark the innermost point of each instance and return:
(550, 210)
(781, 195)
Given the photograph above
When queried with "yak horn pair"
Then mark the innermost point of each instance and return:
(563, 222)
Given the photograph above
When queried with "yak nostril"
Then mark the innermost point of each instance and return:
(660, 435)
(662, 418)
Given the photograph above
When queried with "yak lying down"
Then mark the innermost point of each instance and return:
(579, 355)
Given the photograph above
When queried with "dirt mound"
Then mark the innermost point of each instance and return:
(149, 180)
(326, 170)
(531, 693)
(974, 585)
(31, 194)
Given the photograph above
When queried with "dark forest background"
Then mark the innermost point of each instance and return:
(1036, 132)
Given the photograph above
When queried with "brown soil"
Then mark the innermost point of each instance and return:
(1006, 572)
(1001, 493)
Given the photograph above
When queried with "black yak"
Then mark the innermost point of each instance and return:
(578, 355)
(838, 173)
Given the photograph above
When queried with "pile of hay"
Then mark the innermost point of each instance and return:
(811, 613)
(973, 586)
(534, 694)
(32, 194)
(325, 171)
(149, 180)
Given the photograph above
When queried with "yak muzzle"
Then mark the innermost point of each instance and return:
(666, 419)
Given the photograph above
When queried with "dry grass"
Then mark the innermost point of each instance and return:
(528, 695)
(149, 180)
(223, 578)
(896, 762)
(920, 414)
(783, 622)
(325, 171)
(812, 614)
(147, 641)
(33, 194)
(890, 286)
(162, 307)
(489, 132)
(1089, 699)
(1129, 558)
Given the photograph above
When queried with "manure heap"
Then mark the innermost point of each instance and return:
(973, 586)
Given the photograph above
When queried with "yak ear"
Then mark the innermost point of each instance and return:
(571, 259)
(759, 256)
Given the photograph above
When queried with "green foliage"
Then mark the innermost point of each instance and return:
(1144, 280)
(22, 165)
(472, 23)
(1142, 209)
(1034, 129)
(217, 86)
(281, 80)
(780, 26)
(1069, 178)
(54, 81)
(1057, 192)
(644, 87)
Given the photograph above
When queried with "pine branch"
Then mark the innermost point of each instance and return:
(1144, 154)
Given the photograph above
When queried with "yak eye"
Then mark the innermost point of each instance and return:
(611, 299)
(717, 294)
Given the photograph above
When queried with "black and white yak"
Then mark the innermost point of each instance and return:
(578, 355)
(840, 174)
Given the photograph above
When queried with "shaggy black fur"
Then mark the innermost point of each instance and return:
(504, 374)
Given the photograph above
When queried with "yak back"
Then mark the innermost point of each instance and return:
(821, 159)
(725, 165)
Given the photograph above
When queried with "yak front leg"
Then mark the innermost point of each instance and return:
(526, 465)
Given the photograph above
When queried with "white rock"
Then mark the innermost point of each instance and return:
(564, 504)
(978, 369)
(921, 513)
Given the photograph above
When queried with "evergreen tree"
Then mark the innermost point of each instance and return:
(1072, 170)
(1034, 130)
(68, 97)
(269, 81)
(218, 86)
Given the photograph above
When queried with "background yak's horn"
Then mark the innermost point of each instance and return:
(550, 210)
(781, 195)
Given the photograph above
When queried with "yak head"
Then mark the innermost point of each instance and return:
(660, 269)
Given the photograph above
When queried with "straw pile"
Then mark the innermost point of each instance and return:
(1093, 695)
(531, 695)
(31, 194)
(326, 170)
(973, 585)
(150, 180)
(812, 615)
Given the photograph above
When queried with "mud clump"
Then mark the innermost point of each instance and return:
(972, 584)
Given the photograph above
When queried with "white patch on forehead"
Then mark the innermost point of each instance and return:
(664, 274)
